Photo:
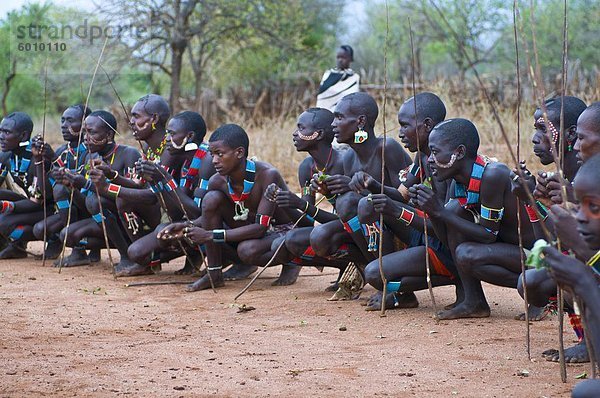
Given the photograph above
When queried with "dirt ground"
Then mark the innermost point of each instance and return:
(81, 333)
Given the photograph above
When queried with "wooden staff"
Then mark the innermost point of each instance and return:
(425, 227)
(385, 82)
(519, 221)
(44, 165)
(62, 254)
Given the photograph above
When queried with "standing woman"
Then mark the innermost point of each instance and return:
(339, 81)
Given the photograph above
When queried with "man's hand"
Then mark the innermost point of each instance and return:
(98, 177)
(149, 171)
(423, 197)
(99, 164)
(570, 273)
(361, 181)
(521, 182)
(71, 179)
(554, 187)
(382, 204)
(338, 184)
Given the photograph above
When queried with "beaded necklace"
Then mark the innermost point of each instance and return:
(19, 166)
(154, 155)
(468, 197)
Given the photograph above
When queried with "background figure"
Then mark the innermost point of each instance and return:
(339, 81)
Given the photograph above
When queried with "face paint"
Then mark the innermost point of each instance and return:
(444, 165)
(310, 137)
(551, 129)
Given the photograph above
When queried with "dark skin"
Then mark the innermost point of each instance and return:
(478, 253)
(141, 249)
(406, 265)
(588, 135)
(26, 212)
(365, 157)
(105, 156)
(70, 125)
(324, 159)
(254, 247)
(573, 275)
(342, 59)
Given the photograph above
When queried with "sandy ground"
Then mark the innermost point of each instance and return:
(81, 333)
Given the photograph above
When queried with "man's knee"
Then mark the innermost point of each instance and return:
(295, 242)
(346, 205)
(60, 192)
(38, 230)
(366, 213)
(372, 275)
(124, 206)
(211, 201)
(248, 251)
(466, 255)
(320, 240)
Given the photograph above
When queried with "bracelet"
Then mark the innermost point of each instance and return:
(38, 163)
(219, 235)
(331, 199)
(114, 176)
(406, 216)
(533, 217)
(170, 186)
(114, 190)
(306, 208)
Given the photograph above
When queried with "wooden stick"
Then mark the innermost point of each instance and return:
(425, 231)
(44, 166)
(272, 259)
(519, 220)
(385, 82)
(62, 253)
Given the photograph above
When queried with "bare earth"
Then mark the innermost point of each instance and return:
(81, 333)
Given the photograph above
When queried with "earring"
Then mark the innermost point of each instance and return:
(153, 126)
(360, 136)
(570, 147)
(190, 146)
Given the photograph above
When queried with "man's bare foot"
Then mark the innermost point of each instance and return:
(53, 250)
(288, 276)
(94, 255)
(12, 251)
(204, 282)
(535, 313)
(464, 310)
(393, 301)
(129, 268)
(78, 257)
(238, 272)
(575, 354)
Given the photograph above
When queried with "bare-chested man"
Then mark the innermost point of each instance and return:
(480, 220)
(238, 222)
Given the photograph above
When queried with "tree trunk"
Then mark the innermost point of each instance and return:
(176, 63)
(7, 86)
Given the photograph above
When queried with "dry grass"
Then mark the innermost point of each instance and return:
(271, 138)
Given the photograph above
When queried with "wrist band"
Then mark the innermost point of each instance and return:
(114, 190)
(494, 215)
(407, 216)
(219, 235)
(331, 199)
(533, 217)
(542, 210)
(263, 220)
(218, 268)
(154, 188)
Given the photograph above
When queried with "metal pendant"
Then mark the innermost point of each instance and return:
(241, 212)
